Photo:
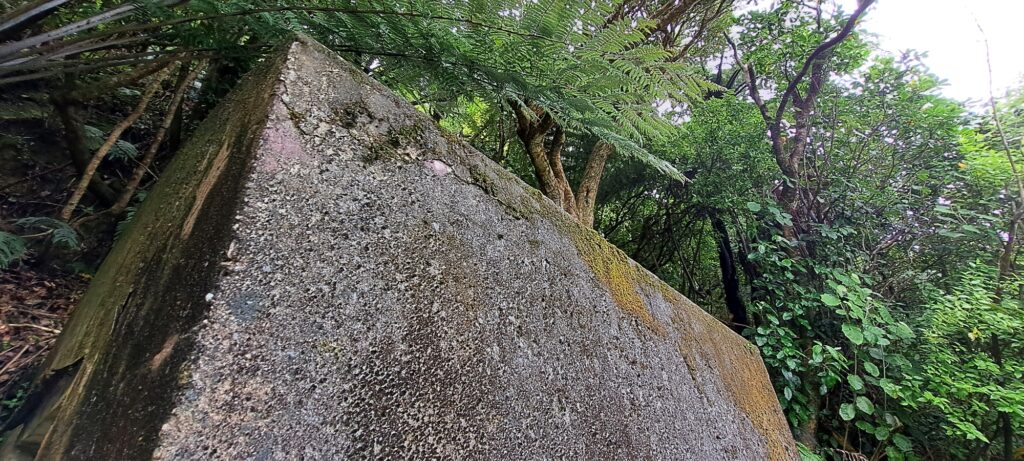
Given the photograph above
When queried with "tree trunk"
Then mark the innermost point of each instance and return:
(566, 198)
(534, 143)
(68, 110)
(533, 125)
(1006, 270)
(586, 199)
(730, 279)
(1007, 424)
(547, 160)
(1005, 421)
(749, 268)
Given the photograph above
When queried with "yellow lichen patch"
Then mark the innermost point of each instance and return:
(621, 276)
(743, 374)
(700, 337)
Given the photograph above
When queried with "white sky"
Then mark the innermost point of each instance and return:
(947, 30)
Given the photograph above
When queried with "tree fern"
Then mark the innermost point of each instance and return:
(596, 76)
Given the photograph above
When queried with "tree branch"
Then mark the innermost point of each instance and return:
(819, 52)
(35, 11)
(18, 47)
(115, 134)
(186, 79)
(112, 14)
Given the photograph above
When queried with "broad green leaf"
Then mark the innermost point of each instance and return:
(871, 368)
(903, 331)
(890, 388)
(854, 333)
(856, 383)
(847, 411)
(902, 442)
(817, 354)
(830, 300)
(754, 206)
(865, 405)
(12, 248)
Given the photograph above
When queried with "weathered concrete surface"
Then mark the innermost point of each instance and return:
(379, 291)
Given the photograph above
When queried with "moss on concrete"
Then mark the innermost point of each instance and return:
(617, 273)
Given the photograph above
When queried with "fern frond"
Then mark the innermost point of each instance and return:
(12, 248)
(61, 233)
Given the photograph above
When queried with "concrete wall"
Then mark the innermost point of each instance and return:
(322, 274)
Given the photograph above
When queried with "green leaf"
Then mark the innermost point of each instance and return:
(871, 368)
(903, 331)
(830, 300)
(847, 411)
(806, 454)
(890, 388)
(856, 383)
(854, 333)
(902, 442)
(865, 405)
(754, 206)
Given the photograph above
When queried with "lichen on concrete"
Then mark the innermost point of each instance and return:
(383, 291)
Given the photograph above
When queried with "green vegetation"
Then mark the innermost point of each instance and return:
(822, 199)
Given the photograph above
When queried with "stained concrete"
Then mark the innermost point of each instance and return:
(353, 284)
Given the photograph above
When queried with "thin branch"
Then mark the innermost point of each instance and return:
(15, 359)
(34, 11)
(755, 94)
(825, 47)
(172, 109)
(166, 59)
(112, 14)
(31, 177)
(95, 89)
(52, 61)
(115, 134)
(30, 325)
(25, 44)
(999, 124)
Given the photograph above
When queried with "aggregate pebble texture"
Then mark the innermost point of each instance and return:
(386, 292)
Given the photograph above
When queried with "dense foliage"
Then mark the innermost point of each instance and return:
(822, 199)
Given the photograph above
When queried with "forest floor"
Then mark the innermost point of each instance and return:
(37, 293)
(39, 290)
(33, 309)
